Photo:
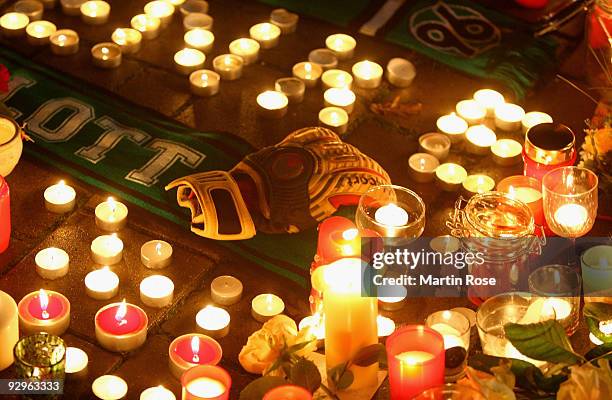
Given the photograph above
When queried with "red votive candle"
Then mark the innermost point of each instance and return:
(5, 215)
(206, 382)
(191, 350)
(44, 311)
(528, 190)
(288, 392)
(121, 326)
(548, 146)
(415, 354)
(532, 3)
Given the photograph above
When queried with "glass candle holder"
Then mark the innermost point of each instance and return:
(451, 391)
(38, 357)
(453, 326)
(558, 288)
(596, 265)
(525, 189)
(548, 146)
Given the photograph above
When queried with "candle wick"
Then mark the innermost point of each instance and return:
(45, 314)
(122, 322)
(196, 358)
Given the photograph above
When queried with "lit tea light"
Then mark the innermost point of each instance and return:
(272, 104)
(605, 327)
(506, 152)
(188, 60)
(474, 184)
(156, 291)
(190, 350)
(400, 72)
(308, 72)
(246, 48)
(436, 144)
(479, 139)
(334, 118)
(121, 327)
(213, 321)
(106, 55)
(128, 39)
(109, 387)
(445, 244)
(147, 25)
(560, 308)
(324, 58)
(508, 117)
(164, 10)
(451, 336)
(525, 194)
(60, 198)
(14, 24)
(285, 20)
(157, 393)
(226, 290)
(39, 32)
(395, 302)
(340, 97)
(52, 263)
(111, 215)
(471, 111)
(293, 88)
(315, 323)
(572, 216)
(76, 361)
(266, 306)
(489, 99)
(193, 6)
(198, 20)
(206, 382)
(422, 167)
(391, 215)
(450, 176)
(200, 39)
(228, 66)
(101, 284)
(107, 249)
(33, 9)
(336, 78)
(386, 326)
(204, 82)
(72, 7)
(95, 12)
(156, 254)
(534, 118)
(368, 74)
(266, 34)
(44, 311)
(342, 45)
(452, 126)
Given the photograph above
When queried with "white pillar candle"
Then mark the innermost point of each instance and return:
(508, 117)
(111, 215)
(156, 254)
(157, 393)
(76, 361)
(9, 329)
(228, 66)
(147, 25)
(95, 12)
(194, 6)
(285, 20)
(474, 184)
(52, 263)
(506, 152)
(200, 39)
(213, 321)
(204, 82)
(226, 290)
(436, 144)
(272, 104)
(489, 99)
(13, 24)
(342, 45)
(44, 311)
(471, 111)
(308, 72)
(340, 97)
(33, 9)
(336, 78)
(188, 60)
(266, 34)
(325, 58)
(334, 118)
(452, 126)
(109, 387)
(156, 291)
(107, 249)
(293, 88)
(534, 118)
(246, 48)
(128, 39)
(385, 326)
(266, 306)
(106, 55)
(39, 32)
(101, 284)
(479, 139)
(59, 198)
(72, 7)
(368, 74)
(422, 167)
(450, 176)
(163, 10)
(400, 72)
(198, 20)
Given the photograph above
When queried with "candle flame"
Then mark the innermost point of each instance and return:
(120, 33)
(62, 40)
(61, 183)
(43, 298)
(569, 182)
(227, 60)
(511, 192)
(422, 163)
(121, 312)
(195, 349)
(480, 180)
(451, 170)
(269, 301)
(158, 247)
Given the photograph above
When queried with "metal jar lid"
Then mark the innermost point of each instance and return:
(550, 143)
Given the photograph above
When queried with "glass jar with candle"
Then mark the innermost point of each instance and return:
(451, 391)
(548, 146)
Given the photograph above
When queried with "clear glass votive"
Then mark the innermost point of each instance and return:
(453, 326)
(451, 391)
(596, 265)
(38, 357)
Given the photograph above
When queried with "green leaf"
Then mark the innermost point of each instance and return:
(306, 374)
(602, 351)
(346, 380)
(545, 341)
(368, 355)
(340, 377)
(598, 311)
(259, 387)
(299, 346)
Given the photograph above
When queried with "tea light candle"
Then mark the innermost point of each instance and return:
(107, 249)
(157, 393)
(44, 311)
(508, 117)
(13, 24)
(106, 55)
(188, 60)
(342, 45)
(204, 82)
(206, 382)
(156, 291)
(9, 329)
(266, 34)
(198, 20)
(325, 58)
(101, 284)
(422, 167)
(163, 10)
(228, 66)
(246, 48)
(285, 20)
(109, 387)
(386, 326)
(340, 97)
(266, 306)
(436, 144)
(473, 184)
(76, 361)
(213, 321)
(571, 215)
(334, 118)
(452, 126)
(471, 111)
(272, 104)
(39, 31)
(368, 74)
(121, 327)
(534, 118)
(445, 244)
(400, 72)
(194, 6)
(95, 12)
(394, 303)
(506, 152)
(526, 189)
(199, 39)
(293, 88)
(336, 78)
(59, 198)
(72, 7)
(315, 323)
(111, 215)
(450, 176)
(489, 99)
(391, 215)
(191, 350)
(308, 72)
(156, 254)
(479, 139)
(226, 290)
(147, 25)
(128, 39)
(52, 263)
(33, 9)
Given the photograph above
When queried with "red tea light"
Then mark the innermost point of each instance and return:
(191, 350)
(44, 311)
(288, 392)
(121, 326)
(338, 238)
(206, 382)
(526, 189)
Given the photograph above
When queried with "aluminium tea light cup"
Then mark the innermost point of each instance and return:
(489, 99)
(479, 139)
(342, 45)
(509, 117)
(471, 111)
(340, 97)
(204, 82)
(101, 284)
(188, 60)
(109, 387)
(157, 291)
(226, 290)
(156, 254)
(121, 327)
(400, 72)
(272, 104)
(190, 350)
(200, 39)
(265, 306)
(334, 118)
(436, 144)
(71, 7)
(336, 78)
(76, 362)
(44, 311)
(59, 198)
(106, 55)
(198, 20)
(193, 6)
(107, 249)
(293, 88)
(33, 9)
(534, 118)
(228, 66)
(111, 215)
(246, 48)
(52, 263)
(325, 58)
(308, 72)
(450, 176)
(13, 24)
(266, 34)
(452, 126)
(157, 393)
(213, 321)
(164, 10)
(128, 39)
(422, 167)
(478, 183)
(367, 74)
(95, 12)
(147, 25)
(285, 20)
(38, 32)
(506, 152)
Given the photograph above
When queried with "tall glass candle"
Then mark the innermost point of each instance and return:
(526, 189)
(548, 146)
